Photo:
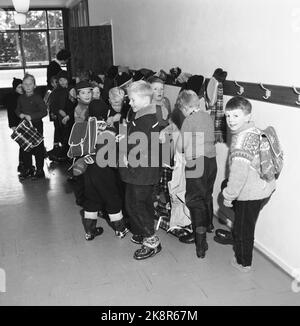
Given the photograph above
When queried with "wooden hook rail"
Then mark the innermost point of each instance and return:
(282, 95)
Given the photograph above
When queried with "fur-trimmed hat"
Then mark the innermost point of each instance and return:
(16, 82)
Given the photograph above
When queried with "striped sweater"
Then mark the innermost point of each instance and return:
(244, 182)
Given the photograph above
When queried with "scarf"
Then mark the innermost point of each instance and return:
(218, 115)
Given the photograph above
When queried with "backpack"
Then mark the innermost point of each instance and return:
(271, 154)
(82, 140)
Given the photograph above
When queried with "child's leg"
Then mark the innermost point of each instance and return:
(212, 173)
(89, 222)
(142, 217)
(246, 214)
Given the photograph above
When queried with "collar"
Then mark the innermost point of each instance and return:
(244, 127)
(149, 109)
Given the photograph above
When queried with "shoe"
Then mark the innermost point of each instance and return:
(27, 173)
(138, 239)
(121, 234)
(201, 244)
(224, 237)
(39, 174)
(91, 236)
(188, 238)
(241, 268)
(21, 168)
(146, 252)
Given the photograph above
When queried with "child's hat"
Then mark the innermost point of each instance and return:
(220, 75)
(82, 84)
(62, 74)
(195, 83)
(16, 82)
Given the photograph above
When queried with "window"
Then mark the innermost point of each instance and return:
(29, 47)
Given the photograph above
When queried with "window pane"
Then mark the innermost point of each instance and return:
(7, 76)
(55, 19)
(57, 42)
(7, 20)
(35, 19)
(40, 75)
(9, 50)
(35, 48)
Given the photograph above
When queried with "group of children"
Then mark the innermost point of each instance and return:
(139, 122)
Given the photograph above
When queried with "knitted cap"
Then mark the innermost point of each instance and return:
(195, 83)
(62, 74)
(16, 82)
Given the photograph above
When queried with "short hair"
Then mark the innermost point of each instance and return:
(116, 93)
(239, 102)
(141, 88)
(29, 76)
(187, 98)
(63, 54)
(155, 79)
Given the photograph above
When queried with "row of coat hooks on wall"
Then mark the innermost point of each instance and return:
(284, 95)
(275, 94)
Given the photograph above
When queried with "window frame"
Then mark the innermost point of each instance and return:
(19, 31)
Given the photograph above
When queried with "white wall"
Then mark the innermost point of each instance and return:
(255, 41)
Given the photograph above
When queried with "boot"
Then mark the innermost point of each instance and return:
(120, 228)
(201, 244)
(188, 238)
(91, 230)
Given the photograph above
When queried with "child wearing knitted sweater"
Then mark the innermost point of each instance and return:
(246, 191)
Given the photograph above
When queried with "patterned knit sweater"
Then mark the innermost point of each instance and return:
(244, 182)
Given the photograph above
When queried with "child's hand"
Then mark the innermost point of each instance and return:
(110, 121)
(227, 203)
(65, 119)
(27, 117)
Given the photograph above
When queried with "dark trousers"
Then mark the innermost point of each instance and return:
(140, 208)
(199, 192)
(246, 214)
(101, 190)
(57, 132)
(38, 152)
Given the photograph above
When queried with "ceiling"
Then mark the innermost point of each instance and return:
(41, 3)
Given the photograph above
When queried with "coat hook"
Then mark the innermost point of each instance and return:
(241, 88)
(268, 92)
(295, 90)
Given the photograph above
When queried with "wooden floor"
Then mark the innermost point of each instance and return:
(47, 261)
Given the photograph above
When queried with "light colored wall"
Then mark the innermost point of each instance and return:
(255, 41)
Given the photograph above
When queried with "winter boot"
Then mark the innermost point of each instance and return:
(120, 228)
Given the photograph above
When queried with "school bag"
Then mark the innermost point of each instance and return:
(82, 140)
(27, 136)
(271, 154)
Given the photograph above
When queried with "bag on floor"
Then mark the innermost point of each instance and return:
(27, 136)
(271, 154)
(82, 140)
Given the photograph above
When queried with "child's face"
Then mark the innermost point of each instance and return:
(158, 91)
(116, 103)
(19, 89)
(138, 102)
(96, 93)
(28, 85)
(236, 119)
(85, 95)
(63, 82)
